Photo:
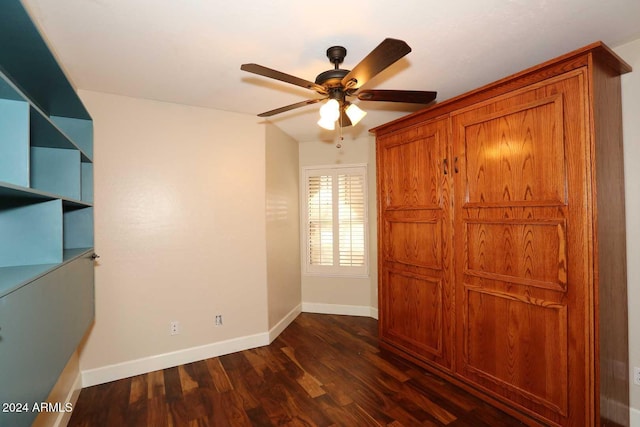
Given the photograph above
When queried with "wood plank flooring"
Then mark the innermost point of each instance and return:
(323, 370)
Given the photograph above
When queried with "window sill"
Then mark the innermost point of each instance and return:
(336, 275)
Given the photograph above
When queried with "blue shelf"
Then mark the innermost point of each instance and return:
(79, 131)
(14, 141)
(46, 215)
(12, 278)
(31, 234)
(56, 171)
(46, 133)
(16, 194)
(30, 66)
(15, 277)
(87, 182)
(78, 229)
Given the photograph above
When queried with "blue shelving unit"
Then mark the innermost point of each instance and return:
(46, 216)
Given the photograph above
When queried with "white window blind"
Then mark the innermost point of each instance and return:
(335, 220)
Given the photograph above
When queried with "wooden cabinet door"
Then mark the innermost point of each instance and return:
(415, 243)
(522, 249)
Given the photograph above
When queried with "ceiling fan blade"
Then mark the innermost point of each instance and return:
(385, 54)
(290, 107)
(412, 96)
(283, 77)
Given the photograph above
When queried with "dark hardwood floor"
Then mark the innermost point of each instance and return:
(323, 370)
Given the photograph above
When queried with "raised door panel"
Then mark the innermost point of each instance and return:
(533, 252)
(521, 245)
(411, 169)
(517, 346)
(505, 162)
(415, 239)
(415, 314)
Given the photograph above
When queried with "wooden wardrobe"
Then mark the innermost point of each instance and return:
(502, 258)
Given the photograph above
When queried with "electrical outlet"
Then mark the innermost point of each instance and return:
(636, 375)
(218, 319)
(174, 327)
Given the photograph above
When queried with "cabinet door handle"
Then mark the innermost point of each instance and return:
(445, 164)
(455, 165)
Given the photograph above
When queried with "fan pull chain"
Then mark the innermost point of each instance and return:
(339, 144)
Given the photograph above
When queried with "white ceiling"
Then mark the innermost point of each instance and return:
(190, 51)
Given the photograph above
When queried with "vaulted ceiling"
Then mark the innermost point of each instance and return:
(190, 51)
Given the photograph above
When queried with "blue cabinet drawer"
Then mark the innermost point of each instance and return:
(41, 325)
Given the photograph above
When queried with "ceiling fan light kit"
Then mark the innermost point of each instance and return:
(327, 124)
(338, 84)
(329, 114)
(354, 113)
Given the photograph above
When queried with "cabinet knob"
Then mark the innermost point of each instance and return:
(95, 256)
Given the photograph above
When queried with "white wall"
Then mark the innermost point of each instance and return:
(338, 294)
(630, 52)
(283, 228)
(180, 228)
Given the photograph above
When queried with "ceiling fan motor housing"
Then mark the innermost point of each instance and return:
(333, 78)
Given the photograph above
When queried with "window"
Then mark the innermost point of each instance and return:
(335, 220)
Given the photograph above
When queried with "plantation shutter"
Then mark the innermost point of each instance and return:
(351, 220)
(320, 213)
(335, 223)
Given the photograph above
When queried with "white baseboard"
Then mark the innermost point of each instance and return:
(105, 374)
(348, 310)
(282, 324)
(635, 417)
(144, 365)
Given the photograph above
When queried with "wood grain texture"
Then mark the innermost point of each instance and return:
(323, 370)
(533, 170)
(415, 229)
(521, 323)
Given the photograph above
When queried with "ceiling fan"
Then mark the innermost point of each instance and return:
(338, 84)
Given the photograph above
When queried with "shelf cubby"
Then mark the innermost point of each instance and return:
(46, 133)
(86, 180)
(39, 232)
(80, 131)
(78, 228)
(14, 142)
(56, 171)
(31, 233)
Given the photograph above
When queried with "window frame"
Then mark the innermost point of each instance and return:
(332, 270)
